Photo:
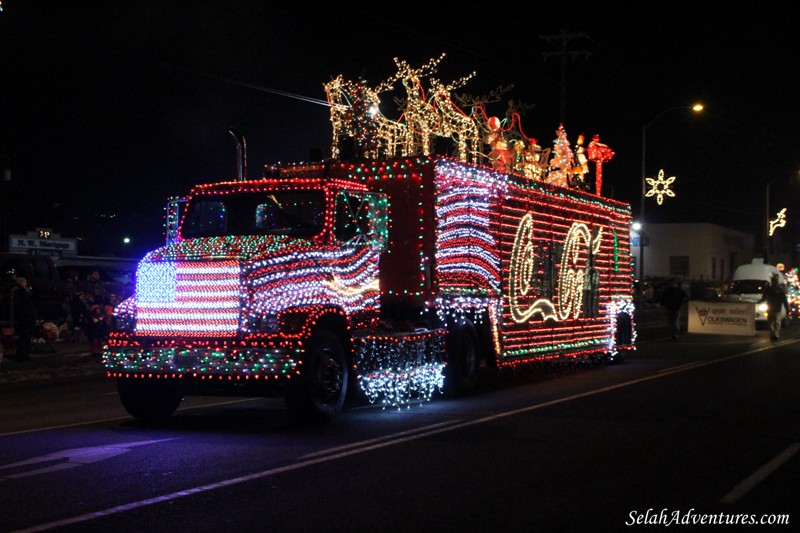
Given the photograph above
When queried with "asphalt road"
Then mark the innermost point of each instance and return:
(702, 429)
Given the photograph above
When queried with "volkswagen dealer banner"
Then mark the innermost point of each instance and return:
(722, 318)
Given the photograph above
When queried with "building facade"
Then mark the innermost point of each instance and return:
(698, 252)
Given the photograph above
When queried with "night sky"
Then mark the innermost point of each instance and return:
(109, 108)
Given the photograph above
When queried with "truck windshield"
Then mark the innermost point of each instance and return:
(297, 213)
(747, 286)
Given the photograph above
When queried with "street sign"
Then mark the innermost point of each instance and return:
(47, 246)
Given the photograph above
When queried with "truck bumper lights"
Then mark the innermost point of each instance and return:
(257, 362)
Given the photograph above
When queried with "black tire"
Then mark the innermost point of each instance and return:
(320, 394)
(623, 336)
(463, 359)
(149, 400)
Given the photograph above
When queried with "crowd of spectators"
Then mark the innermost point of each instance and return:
(87, 310)
(90, 311)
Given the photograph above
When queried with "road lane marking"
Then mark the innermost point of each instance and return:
(758, 476)
(126, 417)
(371, 445)
(73, 457)
(680, 367)
(337, 449)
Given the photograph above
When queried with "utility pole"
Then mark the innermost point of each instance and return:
(5, 188)
(564, 39)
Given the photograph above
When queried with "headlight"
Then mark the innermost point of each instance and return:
(125, 323)
(267, 323)
(124, 318)
(761, 307)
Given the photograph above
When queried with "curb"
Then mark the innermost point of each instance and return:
(51, 363)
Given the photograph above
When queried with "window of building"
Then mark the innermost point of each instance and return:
(679, 265)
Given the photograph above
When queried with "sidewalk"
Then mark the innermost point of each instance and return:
(50, 362)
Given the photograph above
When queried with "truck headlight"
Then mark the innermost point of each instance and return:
(125, 323)
(267, 323)
(761, 307)
(124, 318)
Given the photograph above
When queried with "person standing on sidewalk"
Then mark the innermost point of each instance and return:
(7, 283)
(94, 287)
(97, 329)
(672, 299)
(776, 302)
(24, 318)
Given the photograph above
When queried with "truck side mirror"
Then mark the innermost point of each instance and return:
(175, 207)
(378, 221)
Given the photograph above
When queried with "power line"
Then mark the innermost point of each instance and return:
(564, 39)
(239, 82)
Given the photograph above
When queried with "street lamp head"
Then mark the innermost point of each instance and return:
(697, 108)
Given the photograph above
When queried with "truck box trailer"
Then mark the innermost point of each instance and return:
(398, 277)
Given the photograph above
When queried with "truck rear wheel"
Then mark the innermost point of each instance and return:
(623, 336)
(321, 392)
(463, 357)
(149, 400)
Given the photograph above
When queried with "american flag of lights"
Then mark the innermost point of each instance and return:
(187, 298)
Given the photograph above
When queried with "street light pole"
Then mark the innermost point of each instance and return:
(5, 186)
(696, 108)
(641, 215)
(767, 236)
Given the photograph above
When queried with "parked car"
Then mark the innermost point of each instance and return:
(654, 288)
(708, 291)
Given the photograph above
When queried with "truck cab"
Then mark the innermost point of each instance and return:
(259, 272)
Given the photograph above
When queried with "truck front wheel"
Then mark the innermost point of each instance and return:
(320, 394)
(149, 400)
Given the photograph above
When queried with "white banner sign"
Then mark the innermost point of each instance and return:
(722, 318)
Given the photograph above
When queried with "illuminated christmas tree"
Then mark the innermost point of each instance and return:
(561, 163)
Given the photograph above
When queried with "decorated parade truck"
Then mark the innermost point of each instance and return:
(395, 278)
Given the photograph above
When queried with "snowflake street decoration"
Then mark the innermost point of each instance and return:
(660, 187)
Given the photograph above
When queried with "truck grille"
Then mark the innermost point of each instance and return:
(187, 298)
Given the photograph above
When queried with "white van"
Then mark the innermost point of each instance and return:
(749, 283)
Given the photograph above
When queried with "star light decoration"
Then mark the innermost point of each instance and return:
(660, 187)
